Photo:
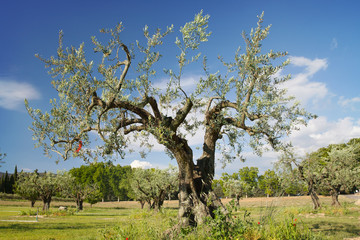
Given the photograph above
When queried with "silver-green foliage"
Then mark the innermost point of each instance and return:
(153, 185)
(339, 169)
(99, 96)
(44, 185)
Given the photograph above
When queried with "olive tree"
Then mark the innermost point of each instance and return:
(41, 185)
(243, 104)
(153, 185)
(80, 191)
(337, 168)
(306, 171)
(233, 188)
(289, 181)
(25, 186)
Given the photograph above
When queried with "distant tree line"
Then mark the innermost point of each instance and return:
(247, 182)
(7, 182)
(328, 171)
(98, 182)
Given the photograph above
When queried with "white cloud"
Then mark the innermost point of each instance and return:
(300, 85)
(321, 132)
(312, 66)
(26, 170)
(12, 94)
(140, 164)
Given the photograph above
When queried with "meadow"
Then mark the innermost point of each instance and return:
(121, 220)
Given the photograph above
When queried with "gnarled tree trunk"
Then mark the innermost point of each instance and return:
(314, 197)
(79, 204)
(46, 202)
(311, 188)
(197, 201)
(335, 197)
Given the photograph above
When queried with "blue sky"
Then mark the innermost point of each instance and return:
(320, 36)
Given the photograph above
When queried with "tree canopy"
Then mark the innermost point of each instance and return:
(44, 186)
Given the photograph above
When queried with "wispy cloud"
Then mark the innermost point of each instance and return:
(13, 93)
(187, 83)
(348, 102)
(300, 85)
(334, 44)
(140, 164)
(26, 170)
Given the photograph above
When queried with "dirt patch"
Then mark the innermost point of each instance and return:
(313, 215)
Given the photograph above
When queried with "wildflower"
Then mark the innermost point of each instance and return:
(258, 223)
(294, 225)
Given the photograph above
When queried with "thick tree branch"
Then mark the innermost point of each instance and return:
(155, 108)
(217, 109)
(95, 101)
(145, 115)
(181, 114)
(123, 123)
(137, 128)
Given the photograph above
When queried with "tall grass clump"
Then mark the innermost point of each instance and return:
(287, 227)
(231, 224)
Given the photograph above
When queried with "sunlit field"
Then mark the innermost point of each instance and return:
(118, 220)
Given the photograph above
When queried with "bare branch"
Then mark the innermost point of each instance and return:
(127, 64)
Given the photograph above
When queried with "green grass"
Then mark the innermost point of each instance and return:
(125, 219)
(83, 225)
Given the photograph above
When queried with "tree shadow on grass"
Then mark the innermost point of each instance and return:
(51, 226)
(333, 228)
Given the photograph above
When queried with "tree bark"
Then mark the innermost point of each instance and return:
(32, 203)
(335, 198)
(46, 202)
(197, 201)
(79, 204)
(142, 203)
(238, 200)
(311, 188)
(314, 196)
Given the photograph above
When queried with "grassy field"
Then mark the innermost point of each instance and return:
(102, 220)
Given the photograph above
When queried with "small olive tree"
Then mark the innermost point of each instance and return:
(337, 168)
(153, 185)
(26, 186)
(41, 185)
(80, 191)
